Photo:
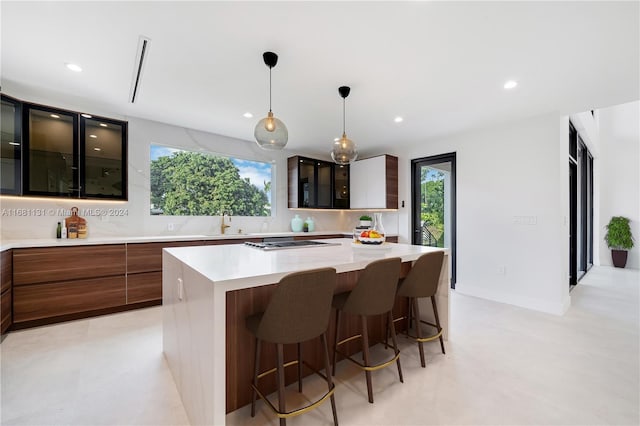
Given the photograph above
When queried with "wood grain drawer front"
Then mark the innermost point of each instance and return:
(39, 265)
(144, 287)
(5, 311)
(31, 302)
(7, 270)
(147, 257)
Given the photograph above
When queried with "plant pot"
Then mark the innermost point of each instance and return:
(619, 258)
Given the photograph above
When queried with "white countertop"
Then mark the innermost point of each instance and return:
(7, 244)
(239, 266)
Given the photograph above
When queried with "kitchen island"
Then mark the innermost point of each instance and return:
(208, 291)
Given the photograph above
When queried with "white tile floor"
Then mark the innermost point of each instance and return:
(504, 365)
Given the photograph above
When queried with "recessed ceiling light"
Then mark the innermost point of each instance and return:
(97, 149)
(86, 115)
(247, 115)
(103, 125)
(14, 143)
(93, 136)
(73, 67)
(510, 84)
(54, 116)
(398, 119)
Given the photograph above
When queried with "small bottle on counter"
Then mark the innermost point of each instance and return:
(59, 231)
(63, 231)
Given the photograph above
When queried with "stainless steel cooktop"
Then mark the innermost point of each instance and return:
(283, 245)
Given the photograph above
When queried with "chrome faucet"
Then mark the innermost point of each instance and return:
(223, 225)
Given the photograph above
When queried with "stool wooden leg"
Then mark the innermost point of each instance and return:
(323, 336)
(300, 367)
(256, 369)
(365, 355)
(397, 350)
(435, 314)
(280, 367)
(419, 331)
(335, 343)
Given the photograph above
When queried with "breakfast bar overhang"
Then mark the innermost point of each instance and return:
(208, 291)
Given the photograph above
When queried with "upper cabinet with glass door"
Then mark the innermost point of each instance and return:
(53, 152)
(10, 147)
(104, 154)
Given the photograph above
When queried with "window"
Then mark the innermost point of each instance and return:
(186, 183)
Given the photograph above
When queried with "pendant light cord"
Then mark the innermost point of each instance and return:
(343, 117)
(269, 89)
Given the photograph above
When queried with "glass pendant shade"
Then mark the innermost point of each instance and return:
(344, 150)
(271, 133)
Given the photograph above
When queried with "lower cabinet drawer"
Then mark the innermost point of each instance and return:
(144, 287)
(37, 301)
(5, 310)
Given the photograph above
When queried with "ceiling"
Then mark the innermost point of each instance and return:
(439, 65)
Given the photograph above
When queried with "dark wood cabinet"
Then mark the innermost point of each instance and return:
(6, 287)
(54, 283)
(50, 264)
(313, 183)
(144, 270)
(51, 300)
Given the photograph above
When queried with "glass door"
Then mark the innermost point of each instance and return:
(434, 204)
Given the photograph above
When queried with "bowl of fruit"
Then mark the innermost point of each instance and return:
(371, 237)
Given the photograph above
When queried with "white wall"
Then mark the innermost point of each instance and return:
(514, 169)
(138, 221)
(619, 174)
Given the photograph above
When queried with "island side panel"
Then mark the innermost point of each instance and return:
(189, 339)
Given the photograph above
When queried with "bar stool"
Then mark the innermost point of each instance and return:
(298, 311)
(422, 281)
(374, 294)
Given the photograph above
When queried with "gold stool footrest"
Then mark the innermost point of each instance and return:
(368, 367)
(298, 411)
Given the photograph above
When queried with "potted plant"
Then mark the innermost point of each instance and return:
(619, 240)
(365, 221)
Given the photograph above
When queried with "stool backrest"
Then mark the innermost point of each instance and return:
(375, 291)
(299, 309)
(422, 279)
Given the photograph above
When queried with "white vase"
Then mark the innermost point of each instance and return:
(296, 224)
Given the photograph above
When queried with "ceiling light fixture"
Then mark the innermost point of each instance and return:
(344, 150)
(54, 116)
(87, 115)
(73, 67)
(270, 133)
(103, 125)
(398, 119)
(510, 84)
(247, 115)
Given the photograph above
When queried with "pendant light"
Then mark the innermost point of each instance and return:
(344, 150)
(271, 133)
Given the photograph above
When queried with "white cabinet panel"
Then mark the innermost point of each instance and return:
(368, 183)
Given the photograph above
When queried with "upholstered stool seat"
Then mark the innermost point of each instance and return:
(422, 282)
(374, 294)
(298, 311)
